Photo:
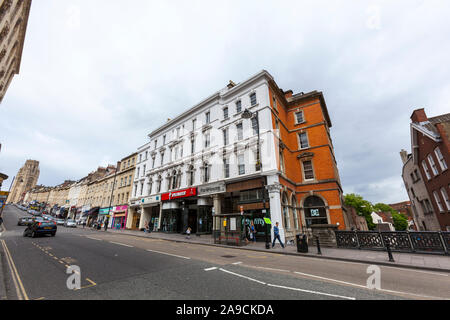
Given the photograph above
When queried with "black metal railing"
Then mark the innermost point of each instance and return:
(401, 241)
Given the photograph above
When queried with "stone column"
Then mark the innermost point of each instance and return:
(275, 209)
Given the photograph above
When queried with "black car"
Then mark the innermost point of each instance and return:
(25, 221)
(40, 227)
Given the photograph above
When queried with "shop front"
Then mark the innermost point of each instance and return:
(205, 206)
(249, 198)
(119, 217)
(151, 210)
(179, 211)
(104, 215)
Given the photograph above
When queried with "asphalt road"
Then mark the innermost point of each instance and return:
(115, 266)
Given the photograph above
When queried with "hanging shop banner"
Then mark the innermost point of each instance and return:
(190, 192)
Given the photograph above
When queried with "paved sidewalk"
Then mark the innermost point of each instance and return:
(409, 260)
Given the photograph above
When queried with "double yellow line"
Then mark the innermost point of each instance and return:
(21, 293)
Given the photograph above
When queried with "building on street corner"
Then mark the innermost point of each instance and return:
(249, 148)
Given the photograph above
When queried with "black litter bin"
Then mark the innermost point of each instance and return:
(302, 243)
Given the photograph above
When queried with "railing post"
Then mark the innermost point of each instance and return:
(410, 241)
(382, 240)
(388, 248)
(441, 237)
(357, 239)
(318, 245)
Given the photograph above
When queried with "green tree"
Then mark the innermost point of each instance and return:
(400, 220)
(362, 207)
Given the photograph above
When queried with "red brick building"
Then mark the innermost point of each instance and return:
(431, 152)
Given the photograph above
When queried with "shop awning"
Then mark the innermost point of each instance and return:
(93, 211)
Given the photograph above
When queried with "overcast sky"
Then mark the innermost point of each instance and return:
(97, 76)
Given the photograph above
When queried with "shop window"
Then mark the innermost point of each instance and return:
(315, 211)
(251, 195)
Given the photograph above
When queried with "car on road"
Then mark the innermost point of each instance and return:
(40, 228)
(70, 223)
(25, 221)
(60, 222)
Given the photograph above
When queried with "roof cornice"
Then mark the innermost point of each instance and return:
(215, 97)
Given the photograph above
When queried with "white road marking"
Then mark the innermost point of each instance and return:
(239, 275)
(209, 269)
(313, 292)
(270, 269)
(365, 287)
(94, 238)
(239, 262)
(121, 244)
(169, 254)
(407, 269)
(343, 282)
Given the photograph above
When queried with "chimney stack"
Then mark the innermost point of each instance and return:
(404, 155)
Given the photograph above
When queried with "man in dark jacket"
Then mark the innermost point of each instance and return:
(276, 235)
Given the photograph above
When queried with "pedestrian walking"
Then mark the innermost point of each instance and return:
(276, 235)
(1, 223)
(253, 232)
(188, 233)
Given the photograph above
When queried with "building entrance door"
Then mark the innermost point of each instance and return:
(192, 220)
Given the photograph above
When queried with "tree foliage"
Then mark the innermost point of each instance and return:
(365, 208)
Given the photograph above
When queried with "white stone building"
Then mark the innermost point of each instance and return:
(201, 153)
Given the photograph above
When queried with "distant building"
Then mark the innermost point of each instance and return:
(405, 209)
(26, 179)
(13, 25)
(355, 221)
(426, 170)
(382, 221)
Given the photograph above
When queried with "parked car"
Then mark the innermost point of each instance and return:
(25, 221)
(38, 228)
(70, 223)
(60, 222)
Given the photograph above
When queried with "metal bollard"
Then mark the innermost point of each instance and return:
(318, 246)
(388, 248)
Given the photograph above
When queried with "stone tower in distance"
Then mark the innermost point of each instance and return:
(26, 179)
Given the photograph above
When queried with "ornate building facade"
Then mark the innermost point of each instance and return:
(26, 179)
(13, 25)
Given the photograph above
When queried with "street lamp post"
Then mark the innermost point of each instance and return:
(110, 199)
(247, 114)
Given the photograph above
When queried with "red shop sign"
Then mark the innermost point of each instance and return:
(179, 194)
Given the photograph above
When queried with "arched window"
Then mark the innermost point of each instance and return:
(294, 211)
(158, 184)
(174, 179)
(191, 175)
(285, 204)
(206, 172)
(315, 211)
